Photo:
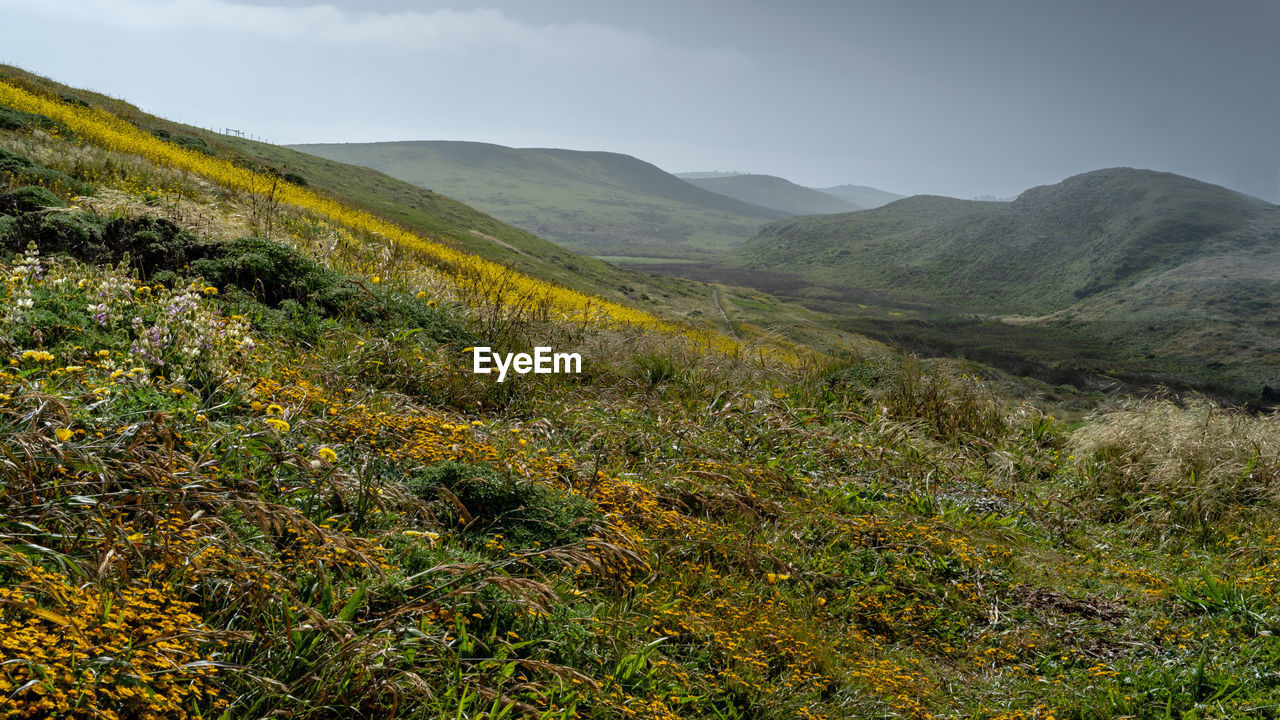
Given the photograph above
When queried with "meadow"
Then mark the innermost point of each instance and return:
(246, 472)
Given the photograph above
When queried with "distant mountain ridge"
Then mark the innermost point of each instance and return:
(862, 195)
(1050, 247)
(1174, 271)
(777, 193)
(708, 174)
(597, 203)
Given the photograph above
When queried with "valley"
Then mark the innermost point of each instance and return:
(900, 462)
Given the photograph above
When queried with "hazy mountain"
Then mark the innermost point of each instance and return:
(777, 193)
(595, 203)
(861, 195)
(707, 175)
(1164, 268)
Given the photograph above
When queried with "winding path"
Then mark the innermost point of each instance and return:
(715, 297)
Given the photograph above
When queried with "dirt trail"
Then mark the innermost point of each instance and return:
(715, 297)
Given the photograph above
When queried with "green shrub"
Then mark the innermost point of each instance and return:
(12, 162)
(20, 168)
(272, 273)
(27, 199)
(152, 244)
(11, 119)
(527, 514)
(186, 141)
(77, 234)
(56, 316)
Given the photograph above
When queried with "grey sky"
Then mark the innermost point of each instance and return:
(983, 97)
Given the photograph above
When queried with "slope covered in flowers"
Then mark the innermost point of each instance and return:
(241, 480)
(105, 130)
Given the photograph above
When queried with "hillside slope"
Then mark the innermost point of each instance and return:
(595, 203)
(247, 477)
(1050, 247)
(862, 195)
(456, 225)
(776, 193)
(1149, 262)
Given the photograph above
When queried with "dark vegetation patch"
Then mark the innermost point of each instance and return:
(18, 170)
(271, 283)
(27, 199)
(486, 502)
(11, 119)
(187, 141)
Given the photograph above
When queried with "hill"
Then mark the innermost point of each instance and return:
(776, 193)
(246, 471)
(861, 195)
(1116, 254)
(594, 203)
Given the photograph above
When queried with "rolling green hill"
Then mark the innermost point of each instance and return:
(459, 225)
(1051, 247)
(776, 193)
(247, 471)
(1134, 271)
(594, 203)
(861, 195)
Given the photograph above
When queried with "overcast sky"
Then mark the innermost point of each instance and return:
(981, 97)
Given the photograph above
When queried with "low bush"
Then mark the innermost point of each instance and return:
(186, 141)
(274, 274)
(19, 169)
(27, 199)
(525, 513)
(11, 119)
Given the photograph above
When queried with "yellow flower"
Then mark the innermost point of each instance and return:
(376, 279)
(274, 409)
(63, 434)
(211, 290)
(278, 424)
(421, 294)
(327, 454)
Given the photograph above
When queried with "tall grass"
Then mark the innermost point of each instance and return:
(1177, 466)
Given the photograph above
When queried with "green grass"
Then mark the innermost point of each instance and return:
(777, 193)
(590, 202)
(245, 500)
(640, 260)
(1140, 275)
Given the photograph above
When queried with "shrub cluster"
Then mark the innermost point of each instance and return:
(18, 170)
(296, 290)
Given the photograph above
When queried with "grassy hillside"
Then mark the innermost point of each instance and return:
(776, 193)
(861, 195)
(1159, 274)
(594, 203)
(459, 226)
(250, 477)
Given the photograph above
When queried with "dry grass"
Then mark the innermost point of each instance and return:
(1177, 466)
